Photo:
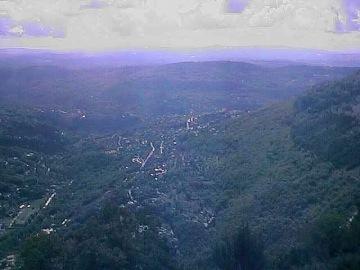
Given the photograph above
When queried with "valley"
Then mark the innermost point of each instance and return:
(174, 159)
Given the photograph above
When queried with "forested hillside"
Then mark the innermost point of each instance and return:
(181, 88)
(272, 186)
(327, 121)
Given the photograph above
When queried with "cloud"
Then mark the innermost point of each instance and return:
(16, 31)
(11, 28)
(179, 23)
(293, 14)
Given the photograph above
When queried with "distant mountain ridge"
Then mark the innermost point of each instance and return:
(179, 88)
(268, 56)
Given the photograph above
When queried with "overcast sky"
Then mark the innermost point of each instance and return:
(179, 24)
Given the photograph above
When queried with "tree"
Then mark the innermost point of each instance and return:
(243, 252)
(42, 251)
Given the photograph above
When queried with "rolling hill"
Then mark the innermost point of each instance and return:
(155, 166)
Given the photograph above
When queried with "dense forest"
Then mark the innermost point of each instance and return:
(182, 166)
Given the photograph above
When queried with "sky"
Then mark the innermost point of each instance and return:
(101, 25)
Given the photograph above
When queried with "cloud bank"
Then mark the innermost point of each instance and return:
(179, 24)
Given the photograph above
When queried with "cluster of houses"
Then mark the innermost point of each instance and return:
(8, 263)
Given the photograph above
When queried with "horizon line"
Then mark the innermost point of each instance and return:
(181, 50)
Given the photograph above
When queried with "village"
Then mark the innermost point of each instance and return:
(152, 155)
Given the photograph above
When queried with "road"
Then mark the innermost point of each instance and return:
(149, 156)
(162, 148)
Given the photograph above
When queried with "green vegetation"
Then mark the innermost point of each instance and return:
(113, 95)
(327, 122)
(242, 251)
(41, 252)
(205, 174)
(29, 143)
(333, 242)
(113, 238)
(28, 211)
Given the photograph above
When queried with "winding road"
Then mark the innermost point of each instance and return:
(149, 156)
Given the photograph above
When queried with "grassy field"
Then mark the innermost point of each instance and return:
(26, 212)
